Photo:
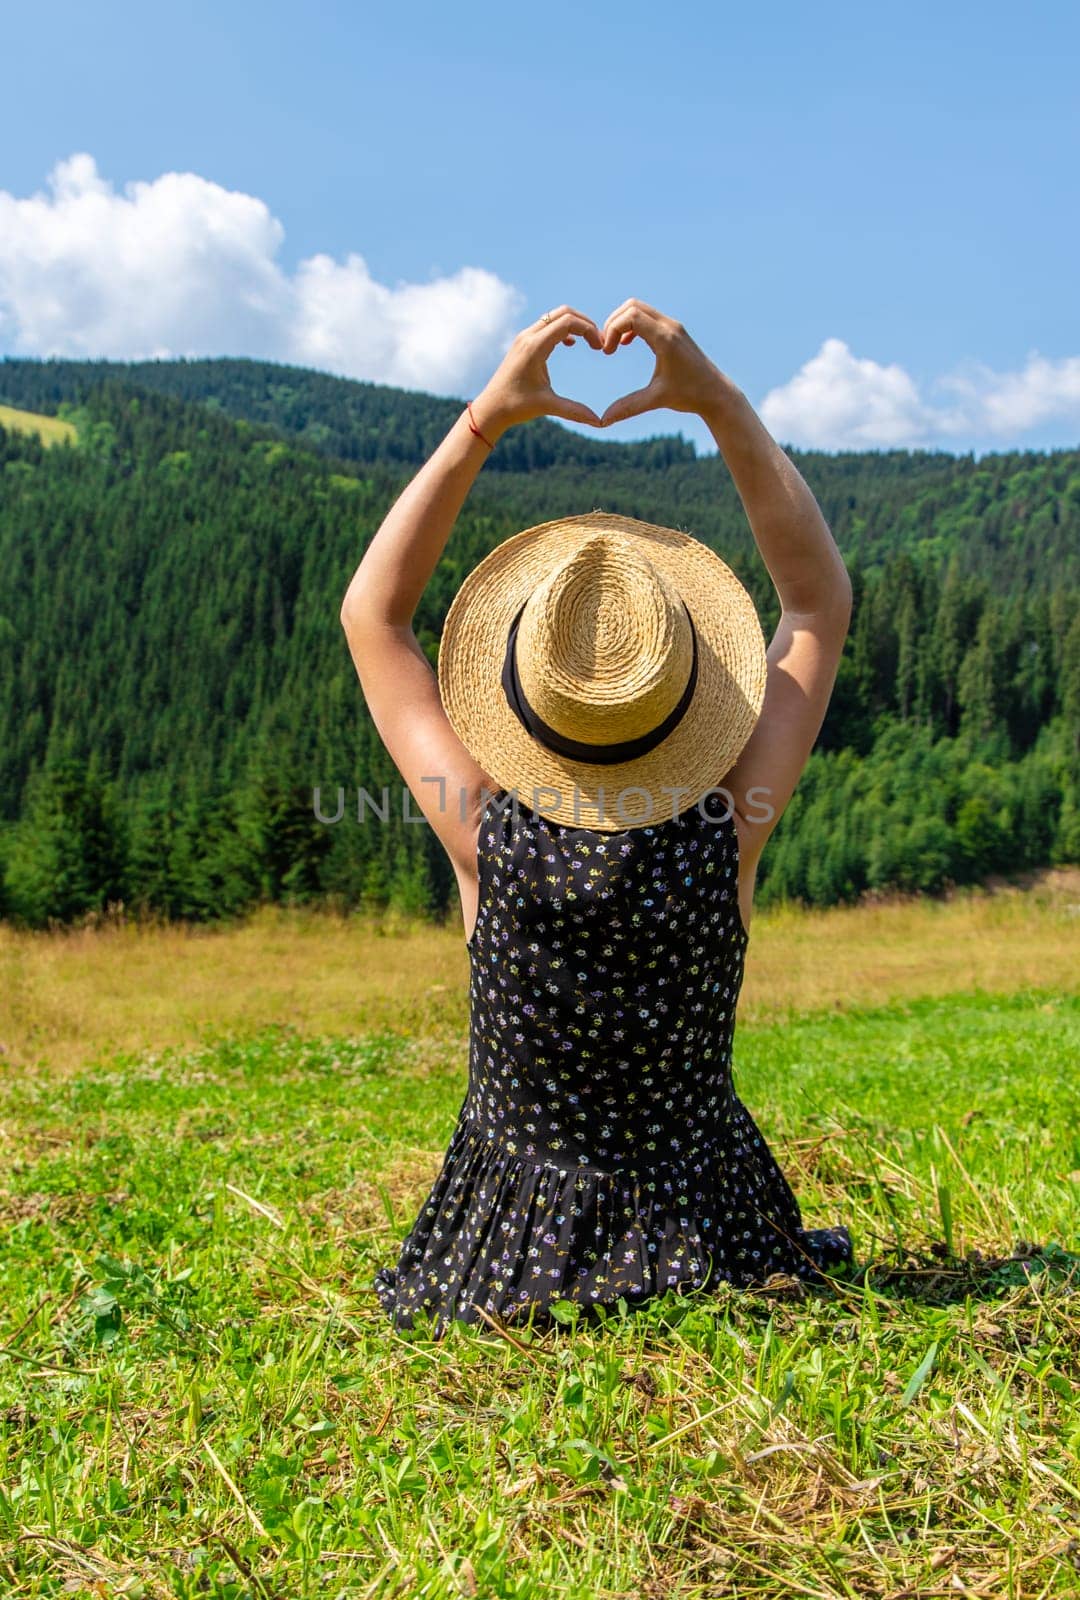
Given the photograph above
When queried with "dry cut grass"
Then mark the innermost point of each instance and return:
(67, 998)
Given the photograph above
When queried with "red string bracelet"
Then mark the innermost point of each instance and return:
(474, 429)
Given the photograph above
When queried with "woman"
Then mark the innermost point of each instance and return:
(603, 754)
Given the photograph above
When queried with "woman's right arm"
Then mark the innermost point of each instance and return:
(814, 591)
(796, 546)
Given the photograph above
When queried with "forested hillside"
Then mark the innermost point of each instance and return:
(360, 422)
(174, 680)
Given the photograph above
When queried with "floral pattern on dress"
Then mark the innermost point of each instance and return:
(601, 1151)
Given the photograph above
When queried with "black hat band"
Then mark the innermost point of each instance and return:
(605, 755)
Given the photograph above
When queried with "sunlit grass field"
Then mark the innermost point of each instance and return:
(66, 999)
(51, 430)
(209, 1142)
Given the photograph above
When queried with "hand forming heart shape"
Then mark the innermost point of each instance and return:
(684, 379)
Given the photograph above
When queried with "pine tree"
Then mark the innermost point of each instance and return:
(67, 857)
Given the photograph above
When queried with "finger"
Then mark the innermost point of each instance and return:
(627, 305)
(634, 318)
(553, 315)
(545, 337)
(571, 410)
(565, 324)
(549, 316)
(634, 304)
(633, 404)
(625, 326)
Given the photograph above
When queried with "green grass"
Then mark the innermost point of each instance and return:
(199, 1395)
(50, 430)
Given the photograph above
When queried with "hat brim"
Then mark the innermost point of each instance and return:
(678, 772)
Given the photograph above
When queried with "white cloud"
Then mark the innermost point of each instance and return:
(182, 266)
(419, 335)
(1011, 402)
(837, 398)
(838, 401)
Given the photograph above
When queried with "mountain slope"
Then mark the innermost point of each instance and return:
(1013, 517)
(174, 682)
(340, 417)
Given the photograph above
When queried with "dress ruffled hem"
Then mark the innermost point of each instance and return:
(511, 1237)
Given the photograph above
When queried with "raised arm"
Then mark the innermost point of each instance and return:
(814, 591)
(800, 553)
(377, 612)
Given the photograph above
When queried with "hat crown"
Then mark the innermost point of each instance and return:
(604, 645)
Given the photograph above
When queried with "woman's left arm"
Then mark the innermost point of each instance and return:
(379, 605)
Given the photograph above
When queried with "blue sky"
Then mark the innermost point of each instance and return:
(867, 215)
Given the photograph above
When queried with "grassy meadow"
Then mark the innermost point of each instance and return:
(209, 1140)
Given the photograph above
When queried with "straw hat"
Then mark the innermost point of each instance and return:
(605, 671)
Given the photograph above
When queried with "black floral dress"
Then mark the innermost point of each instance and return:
(601, 1150)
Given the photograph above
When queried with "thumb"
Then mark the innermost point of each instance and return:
(571, 410)
(632, 405)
